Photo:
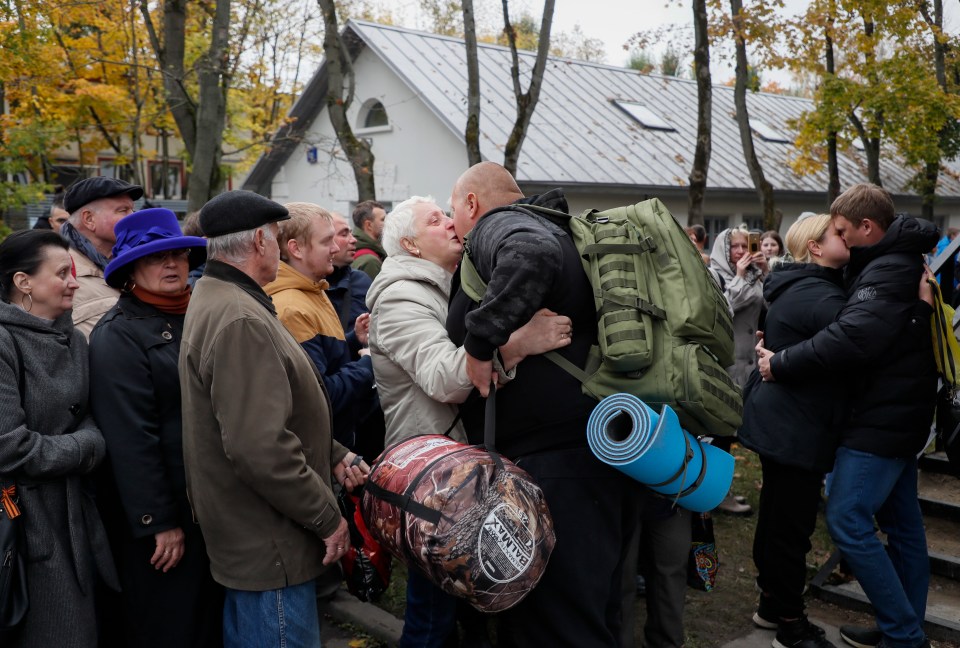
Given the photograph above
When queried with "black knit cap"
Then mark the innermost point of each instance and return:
(86, 191)
(238, 211)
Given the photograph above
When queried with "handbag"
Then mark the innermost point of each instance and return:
(947, 353)
(471, 521)
(14, 598)
(366, 565)
(703, 560)
(14, 601)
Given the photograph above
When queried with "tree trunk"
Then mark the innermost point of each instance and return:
(526, 102)
(871, 145)
(871, 148)
(170, 54)
(701, 156)
(833, 164)
(340, 70)
(931, 171)
(771, 217)
(199, 122)
(206, 176)
(472, 133)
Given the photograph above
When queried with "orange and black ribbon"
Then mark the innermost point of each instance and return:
(8, 503)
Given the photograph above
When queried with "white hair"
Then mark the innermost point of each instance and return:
(399, 225)
(235, 248)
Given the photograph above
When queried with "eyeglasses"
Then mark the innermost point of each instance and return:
(159, 258)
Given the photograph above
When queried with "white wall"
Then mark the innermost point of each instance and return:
(417, 155)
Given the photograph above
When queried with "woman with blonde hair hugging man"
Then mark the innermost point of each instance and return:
(794, 427)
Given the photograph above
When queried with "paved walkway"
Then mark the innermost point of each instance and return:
(384, 626)
(371, 620)
(758, 638)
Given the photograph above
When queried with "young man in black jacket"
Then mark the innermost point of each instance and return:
(882, 339)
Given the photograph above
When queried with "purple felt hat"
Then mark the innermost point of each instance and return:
(145, 232)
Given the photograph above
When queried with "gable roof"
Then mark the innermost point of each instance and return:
(581, 132)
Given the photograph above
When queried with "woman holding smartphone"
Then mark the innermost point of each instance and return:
(741, 266)
(740, 272)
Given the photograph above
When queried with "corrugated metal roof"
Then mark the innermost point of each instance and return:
(578, 135)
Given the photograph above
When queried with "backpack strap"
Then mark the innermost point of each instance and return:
(365, 252)
(404, 503)
(475, 287)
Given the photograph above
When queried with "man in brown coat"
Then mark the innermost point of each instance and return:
(257, 441)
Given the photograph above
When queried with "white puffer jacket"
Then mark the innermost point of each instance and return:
(421, 375)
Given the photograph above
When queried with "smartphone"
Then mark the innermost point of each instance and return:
(753, 239)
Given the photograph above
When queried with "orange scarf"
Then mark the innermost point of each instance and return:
(175, 304)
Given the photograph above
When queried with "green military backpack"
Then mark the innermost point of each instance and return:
(665, 332)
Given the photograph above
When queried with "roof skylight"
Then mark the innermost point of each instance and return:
(768, 132)
(643, 115)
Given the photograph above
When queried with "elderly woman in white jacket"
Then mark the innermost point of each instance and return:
(421, 375)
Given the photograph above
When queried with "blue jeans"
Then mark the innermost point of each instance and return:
(430, 620)
(280, 618)
(895, 580)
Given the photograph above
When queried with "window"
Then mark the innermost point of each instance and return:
(714, 225)
(171, 185)
(754, 223)
(376, 116)
(643, 115)
(110, 169)
(373, 117)
(768, 132)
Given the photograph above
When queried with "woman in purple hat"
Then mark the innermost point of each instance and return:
(169, 597)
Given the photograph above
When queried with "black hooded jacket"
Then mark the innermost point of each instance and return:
(882, 338)
(528, 263)
(797, 424)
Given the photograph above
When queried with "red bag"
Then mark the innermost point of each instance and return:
(471, 521)
(366, 565)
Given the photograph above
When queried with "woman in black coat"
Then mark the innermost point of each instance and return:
(794, 427)
(169, 597)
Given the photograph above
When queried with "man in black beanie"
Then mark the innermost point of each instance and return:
(257, 439)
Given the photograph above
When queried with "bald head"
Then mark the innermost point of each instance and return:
(482, 187)
(491, 182)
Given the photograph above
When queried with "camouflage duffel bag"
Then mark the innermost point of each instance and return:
(470, 520)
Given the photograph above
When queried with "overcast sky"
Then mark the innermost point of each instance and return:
(615, 21)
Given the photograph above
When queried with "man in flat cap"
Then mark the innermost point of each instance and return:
(95, 205)
(257, 441)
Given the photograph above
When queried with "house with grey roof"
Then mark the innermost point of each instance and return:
(607, 135)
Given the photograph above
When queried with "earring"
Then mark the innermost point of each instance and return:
(129, 285)
(416, 253)
(23, 305)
